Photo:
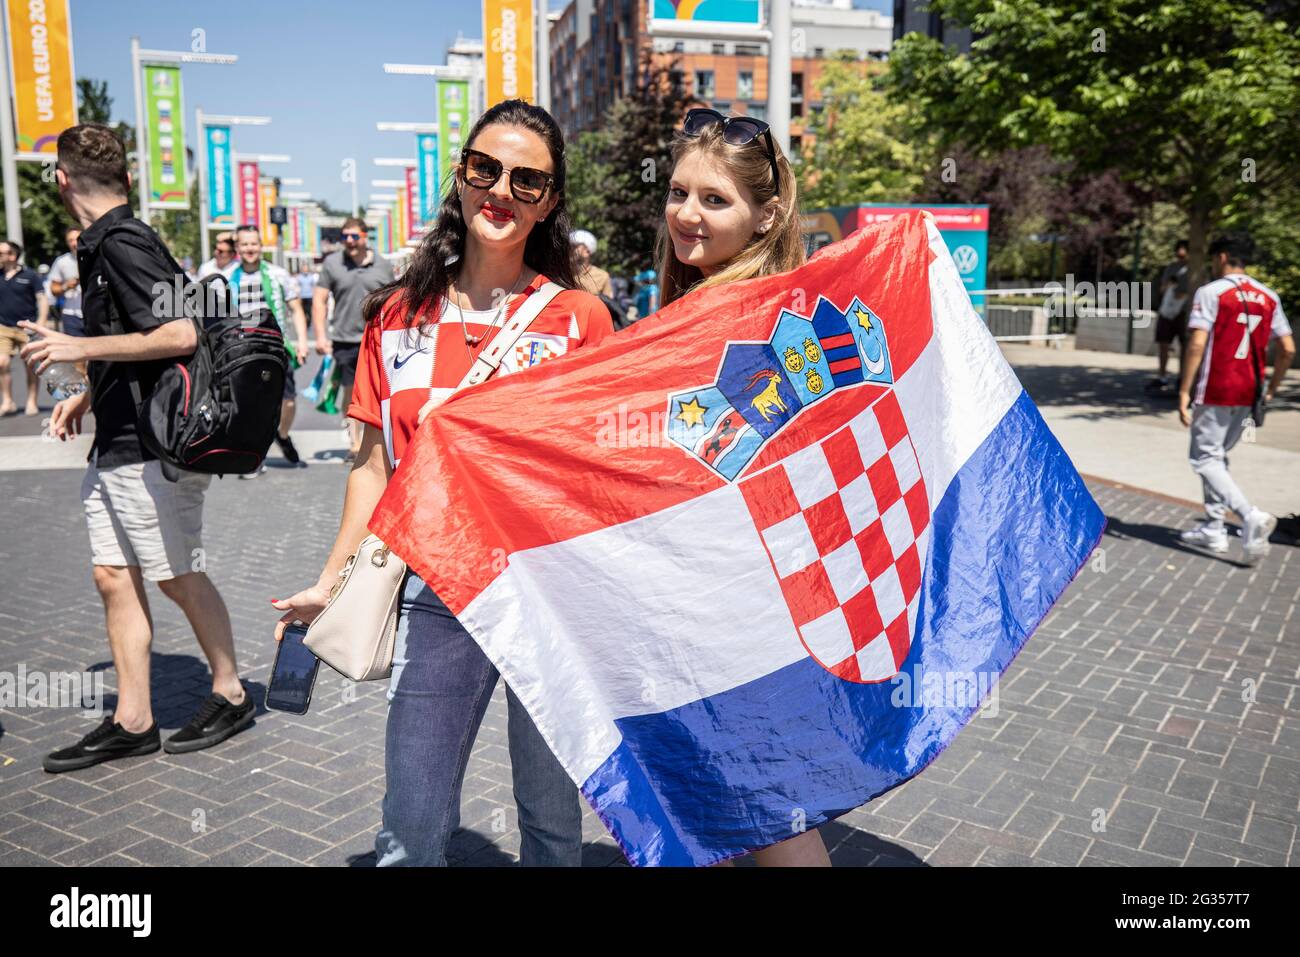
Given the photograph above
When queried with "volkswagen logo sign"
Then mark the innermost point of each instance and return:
(966, 259)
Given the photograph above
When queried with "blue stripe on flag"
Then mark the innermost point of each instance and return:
(730, 772)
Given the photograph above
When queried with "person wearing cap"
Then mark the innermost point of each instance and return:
(591, 278)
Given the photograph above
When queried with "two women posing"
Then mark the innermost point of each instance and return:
(502, 233)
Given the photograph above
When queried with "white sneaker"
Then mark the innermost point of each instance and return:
(253, 475)
(1206, 536)
(1254, 535)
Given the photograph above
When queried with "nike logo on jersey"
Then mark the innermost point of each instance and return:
(399, 361)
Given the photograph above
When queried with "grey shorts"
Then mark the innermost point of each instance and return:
(137, 517)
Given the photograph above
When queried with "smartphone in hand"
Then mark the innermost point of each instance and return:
(294, 673)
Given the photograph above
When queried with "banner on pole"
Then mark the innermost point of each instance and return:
(453, 115)
(267, 228)
(426, 149)
(44, 90)
(221, 184)
(508, 50)
(414, 221)
(399, 211)
(165, 129)
(249, 196)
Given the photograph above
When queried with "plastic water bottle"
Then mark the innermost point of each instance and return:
(63, 380)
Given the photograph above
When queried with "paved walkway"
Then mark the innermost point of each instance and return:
(1153, 719)
(1096, 405)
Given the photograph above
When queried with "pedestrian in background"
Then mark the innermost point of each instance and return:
(1232, 321)
(257, 285)
(1171, 315)
(64, 284)
(22, 300)
(590, 276)
(223, 255)
(307, 280)
(349, 275)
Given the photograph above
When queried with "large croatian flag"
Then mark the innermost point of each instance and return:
(719, 556)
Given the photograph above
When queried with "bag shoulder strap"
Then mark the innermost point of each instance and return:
(490, 358)
(169, 471)
(118, 328)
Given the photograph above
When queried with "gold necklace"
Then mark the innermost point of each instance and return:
(471, 341)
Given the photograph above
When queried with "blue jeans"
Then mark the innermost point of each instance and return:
(439, 691)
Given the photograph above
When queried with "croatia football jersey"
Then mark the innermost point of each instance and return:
(1241, 315)
(400, 368)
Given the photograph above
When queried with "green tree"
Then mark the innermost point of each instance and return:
(43, 216)
(1195, 101)
(586, 181)
(618, 178)
(861, 152)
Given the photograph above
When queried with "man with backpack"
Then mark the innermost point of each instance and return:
(260, 285)
(142, 526)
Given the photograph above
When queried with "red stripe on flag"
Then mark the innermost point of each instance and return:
(839, 365)
(834, 342)
(459, 500)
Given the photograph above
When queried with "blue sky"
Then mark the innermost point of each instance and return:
(316, 68)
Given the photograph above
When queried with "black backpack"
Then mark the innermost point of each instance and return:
(218, 410)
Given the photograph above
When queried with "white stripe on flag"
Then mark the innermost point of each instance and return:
(960, 387)
(688, 636)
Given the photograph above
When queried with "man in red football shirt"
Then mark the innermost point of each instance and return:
(1232, 321)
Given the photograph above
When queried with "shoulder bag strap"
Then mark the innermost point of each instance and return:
(119, 329)
(490, 358)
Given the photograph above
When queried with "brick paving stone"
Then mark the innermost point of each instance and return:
(1129, 699)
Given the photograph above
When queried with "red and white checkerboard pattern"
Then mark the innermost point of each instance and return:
(846, 523)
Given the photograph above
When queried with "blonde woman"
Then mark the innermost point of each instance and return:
(732, 214)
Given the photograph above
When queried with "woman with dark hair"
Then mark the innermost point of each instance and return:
(501, 234)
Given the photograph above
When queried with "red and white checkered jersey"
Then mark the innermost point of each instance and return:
(1235, 310)
(400, 368)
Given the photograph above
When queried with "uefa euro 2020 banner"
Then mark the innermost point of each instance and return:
(508, 71)
(453, 124)
(725, 556)
(221, 176)
(164, 116)
(44, 93)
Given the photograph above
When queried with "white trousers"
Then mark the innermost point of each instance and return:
(1215, 430)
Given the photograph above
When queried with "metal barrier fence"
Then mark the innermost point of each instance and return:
(1052, 319)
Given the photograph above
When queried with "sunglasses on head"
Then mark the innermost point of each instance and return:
(736, 130)
(526, 184)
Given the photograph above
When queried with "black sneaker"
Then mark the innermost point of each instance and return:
(108, 742)
(288, 451)
(1157, 385)
(217, 720)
